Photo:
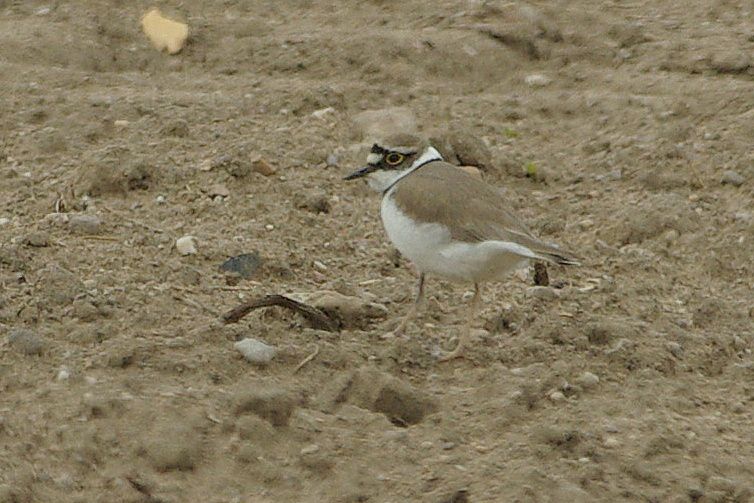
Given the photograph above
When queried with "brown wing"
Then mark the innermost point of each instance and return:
(473, 210)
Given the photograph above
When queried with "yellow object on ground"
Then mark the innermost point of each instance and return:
(164, 33)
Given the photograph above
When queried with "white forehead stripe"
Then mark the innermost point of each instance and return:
(373, 158)
(401, 150)
(429, 155)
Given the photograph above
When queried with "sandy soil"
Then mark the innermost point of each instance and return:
(629, 379)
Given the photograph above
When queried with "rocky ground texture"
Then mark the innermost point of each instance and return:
(622, 130)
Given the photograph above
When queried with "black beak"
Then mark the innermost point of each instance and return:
(361, 172)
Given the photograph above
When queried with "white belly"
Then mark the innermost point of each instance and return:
(430, 248)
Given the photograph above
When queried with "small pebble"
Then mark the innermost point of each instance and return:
(160, 199)
(56, 219)
(218, 189)
(26, 341)
(730, 177)
(245, 265)
(332, 161)
(262, 167)
(316, 202)
(63, 374)
(310, 449)
(611, 428)
(611, 442)
(255, 351)
(623, 345)
(269, 227)
(320, 266)
(319, 114)
(4, 221)
(557, 396)
(537, 80)
(121, 123)
(675, 349)
(186, 245)
(542, 292)
(37, 239)
(587, 380)
(738, 343)
(84, 224)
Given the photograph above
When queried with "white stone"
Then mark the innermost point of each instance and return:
(318, 114)
(256, 351)
(557, 396)
(186, 245)
(537, 80)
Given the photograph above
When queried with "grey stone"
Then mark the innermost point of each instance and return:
(675, 349)
(26, 341)
(255, 351)
(245, 265)
(60, 286)
(542, 292)
(332, 160)
(84, 224)
(587, 380)
(730, 177)
(38, 239)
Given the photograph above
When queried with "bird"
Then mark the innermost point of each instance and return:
(449, 223)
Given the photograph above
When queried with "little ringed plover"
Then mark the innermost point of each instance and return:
(448, 222)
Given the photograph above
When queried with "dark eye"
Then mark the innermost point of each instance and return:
(394, 158)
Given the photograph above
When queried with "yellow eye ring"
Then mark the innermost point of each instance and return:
(394, 158)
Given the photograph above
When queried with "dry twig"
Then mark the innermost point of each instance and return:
(307, 359)
(317, 318)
